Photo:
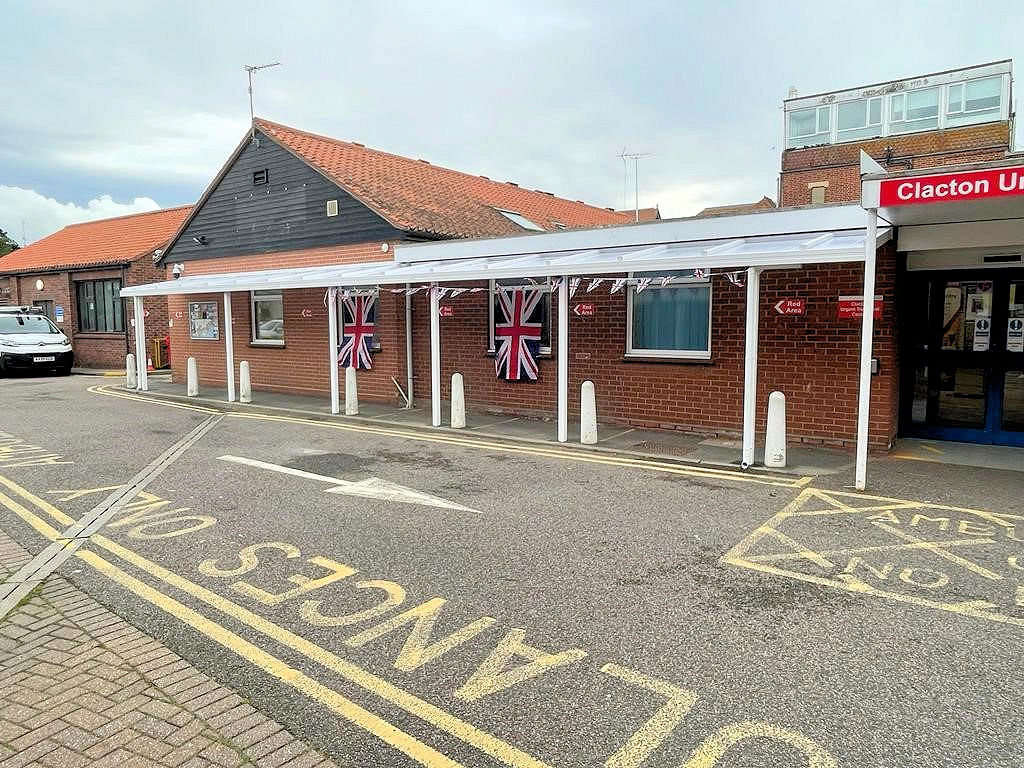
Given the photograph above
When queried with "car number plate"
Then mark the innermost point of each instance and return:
(47, 359)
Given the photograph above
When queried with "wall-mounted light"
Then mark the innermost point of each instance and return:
(39, 285)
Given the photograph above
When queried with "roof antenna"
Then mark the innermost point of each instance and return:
(250, 68)
(635, 157)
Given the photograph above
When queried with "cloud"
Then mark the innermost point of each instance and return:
(44, 215)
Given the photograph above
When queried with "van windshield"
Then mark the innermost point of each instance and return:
(26, 324)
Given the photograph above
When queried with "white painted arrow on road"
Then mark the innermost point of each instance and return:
(370, 488)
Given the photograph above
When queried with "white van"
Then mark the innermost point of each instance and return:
(29, 341)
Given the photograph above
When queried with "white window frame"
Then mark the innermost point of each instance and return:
(254, 340)
(963, 103)
(818, 131)
(668, 354)
(867, 102)
(491, 347)
(939, 117)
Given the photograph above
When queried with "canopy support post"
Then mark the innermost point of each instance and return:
(229, 346)
(750, 366)
(435, 356)
(408, 348)
(332, 341)
(563, 359)
(141, 356)
(867, 331)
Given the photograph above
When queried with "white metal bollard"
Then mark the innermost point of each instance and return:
(351, 393)
(192, 376)
(131, 372)
(588, 414)
(775, 433)
(244, 383)
(458, 402)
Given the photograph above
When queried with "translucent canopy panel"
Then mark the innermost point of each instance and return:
(752, 250)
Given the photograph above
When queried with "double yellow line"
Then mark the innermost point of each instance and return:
(271, 665)
(482, 443)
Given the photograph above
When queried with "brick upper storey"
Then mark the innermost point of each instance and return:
(419, 197)
(106, 242)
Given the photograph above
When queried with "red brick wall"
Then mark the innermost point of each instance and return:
(140, 272)
(813, 359)
(300, 367)
(838, 164)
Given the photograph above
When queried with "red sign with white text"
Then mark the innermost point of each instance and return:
(950, 187)
(852, 307)
(791, 306)
(446, 310)
(585, 309)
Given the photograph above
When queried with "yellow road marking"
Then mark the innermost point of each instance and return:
(865, 550)
(938, 550)
(932, 448)
(327, 697)
(652, 733)
(435, 716)
(484, 444)
(737, 556)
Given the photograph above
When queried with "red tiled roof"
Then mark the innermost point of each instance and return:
(765, 203)
(416, 196)
(644, 214)
(104, 242)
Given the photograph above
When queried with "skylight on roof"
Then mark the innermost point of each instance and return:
(522, 221)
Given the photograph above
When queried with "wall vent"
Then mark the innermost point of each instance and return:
(332, 207)
(261, 177)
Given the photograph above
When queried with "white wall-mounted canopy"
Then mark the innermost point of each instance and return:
(771, 239)
(774, 239)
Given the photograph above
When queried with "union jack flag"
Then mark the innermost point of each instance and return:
(357, 332)
(518, 340)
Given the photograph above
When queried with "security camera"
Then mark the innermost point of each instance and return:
(176, 270)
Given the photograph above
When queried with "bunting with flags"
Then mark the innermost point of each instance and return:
(516, 338)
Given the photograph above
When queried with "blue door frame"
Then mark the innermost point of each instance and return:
(926, 351)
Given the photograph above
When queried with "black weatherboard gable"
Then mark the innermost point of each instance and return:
(237, 217)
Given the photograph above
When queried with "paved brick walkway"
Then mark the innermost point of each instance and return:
(80, 686)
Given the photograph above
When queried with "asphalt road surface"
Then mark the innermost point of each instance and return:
(422, 598)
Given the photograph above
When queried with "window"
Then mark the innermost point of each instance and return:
(914, 110)
(346, 318)
(267, 318)
(859, 119)
(809, 126)
(955, 100)
(542, 314)
(99, 306)
(674, 321)
(332, 207)
(982, 95)
(522, 221)
(261, 177)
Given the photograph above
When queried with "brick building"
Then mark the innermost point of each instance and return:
(944, 118)
(76, 275)
(683, 324)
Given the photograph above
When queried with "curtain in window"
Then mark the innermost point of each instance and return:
(673, 318)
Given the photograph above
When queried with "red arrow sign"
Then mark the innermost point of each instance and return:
(585, 309)
(791, 306)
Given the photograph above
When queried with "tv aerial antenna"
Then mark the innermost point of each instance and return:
(249, 69)
(635, 157)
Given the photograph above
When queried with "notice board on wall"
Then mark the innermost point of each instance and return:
(202, 321)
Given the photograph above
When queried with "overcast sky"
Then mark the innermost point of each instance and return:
(115, 107)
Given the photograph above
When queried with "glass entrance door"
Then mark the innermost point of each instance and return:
(967, 356)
